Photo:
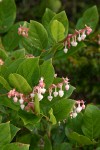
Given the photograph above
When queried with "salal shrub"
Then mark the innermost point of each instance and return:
(36, 109)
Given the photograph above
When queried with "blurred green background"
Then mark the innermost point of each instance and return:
(83, 68)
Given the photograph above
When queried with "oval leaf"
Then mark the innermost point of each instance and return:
(57, 30)
(91, 122)
(7, 14)
(47, 72)
(19, 83)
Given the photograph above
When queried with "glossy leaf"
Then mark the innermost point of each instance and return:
(80, 139)
(16, 146)
(61, 17)
(4, 83)
(57, 30)
(47, 72)
(29, 69)
(13, 130)
(90, 18)
(48, 15)
(19, 83)
(7, 14)
(28, 118)
(12, 68)
(62, 108)
(8, 103)
(5, 136)
(3, 54)
(38, 35)
(91, 119)
(12, 38)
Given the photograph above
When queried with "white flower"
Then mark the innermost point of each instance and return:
(74, 114)
(65, 50)
(43, 90)
(22, 106)
(79, 38)
(50, 97)
(83, 36)
(74, 43)
(55, 94)
(15, 99)
(67, 87)
(21, 101)
(40, 96)
(79, 108)
(61, 93)
(32, 95)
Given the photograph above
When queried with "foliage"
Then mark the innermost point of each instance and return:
(27, 53)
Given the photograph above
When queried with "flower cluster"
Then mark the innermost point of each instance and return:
(58, 89)
(71, 39)
(1, 62)
(79, 105)
(17, 97)
(23, 31)
(39, 90)
(27, 102)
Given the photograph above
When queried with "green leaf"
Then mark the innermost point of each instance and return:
(16, 146)
(47, 145)
(8, 103)
(24, 138)
(14, 56)
(19, 83)
(75, 124)
(3, 54)
(63, 146)
(90, 18)
(52, 117)
(12, 68)
(18, 54)
(4, 83)
(29, 69)
(47, 17)
(12, 38)
(36, 105)
(38, 35)
(69, 92)
(57, 30)
(80, 139)
(28, 118)
(47, 72)
(5, 136)
(91, 119)
(71, 51)
(62, 108)
(7, 14)
(61, 17)
(13, 130)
